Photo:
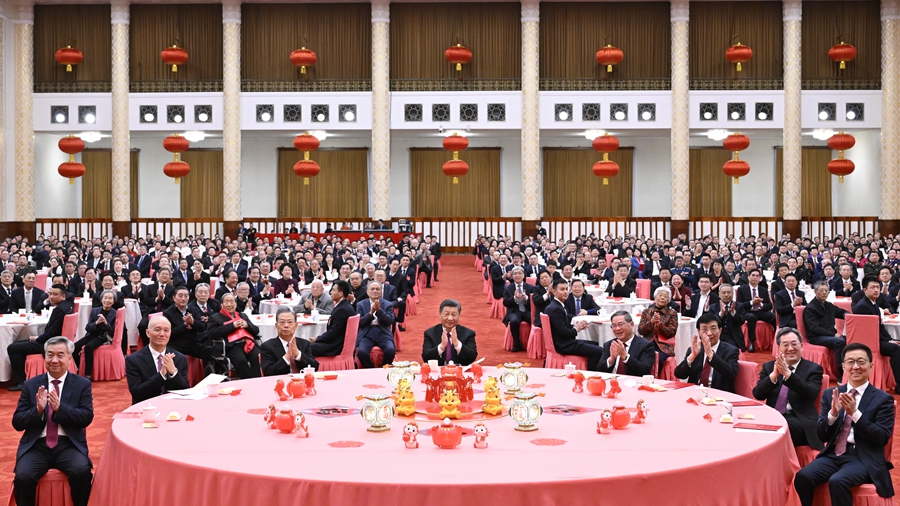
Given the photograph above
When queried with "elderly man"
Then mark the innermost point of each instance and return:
(188, 329)
(518, 307)
(28, 297)
(287, 353)
(791, 386)
(155, 369)
(6, 290)
(242, 298)
(448, 341)
(158, 296)
(54, 410)
(731, 314)
(710, 362)
(316, 299)
(203, 303)
(376, 316)
(358, 288)
(19, 351)
(627, 353)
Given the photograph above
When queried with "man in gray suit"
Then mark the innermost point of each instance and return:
(317, 299)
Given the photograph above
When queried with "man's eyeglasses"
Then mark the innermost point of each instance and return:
(862, 362)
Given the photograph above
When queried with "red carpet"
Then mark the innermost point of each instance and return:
(458, 280)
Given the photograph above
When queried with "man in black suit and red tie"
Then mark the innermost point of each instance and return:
(868, 305)
(627, 353)
(448, 341)
(155, 369)
(710, 362)
(19, 351)
(757, 305)
(856, 423)
(287, 353)
(516, 298)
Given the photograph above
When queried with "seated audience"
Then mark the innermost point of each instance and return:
(286, 354)
(449, 341)
(867, 306)
(19, 350)
(627, 354)
(659, 323)
(98, 331)
(155, 369)
(564, 333)
(710, 362)
(331, 342)
(316, 299)
(518, 308)
(622, 285)
(239, 334)
(376, 319)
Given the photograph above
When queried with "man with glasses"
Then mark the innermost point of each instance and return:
(856, 422)
(868, 305)
(791, 386)
(627, 353)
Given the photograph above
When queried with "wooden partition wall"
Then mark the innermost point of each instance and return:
(815, 181)
(710, 192)
(477, 194)
(196, 28)
(713, 28)
(341, 190)
(828, 23)
(339, 33)
(572, 32)
(571, 188)
(84, 27)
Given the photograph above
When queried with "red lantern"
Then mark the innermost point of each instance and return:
(177, 169)
(71, 170)
(458, 54)
(71, 145)
(841, 167)
(174, 56)
(176, 144)
(306, 142)
(841, 142)
(455, 143)
(606, 169)
(69, 56)
(842, 53)
(609, 56)
(303, 58)
(736, 142)
(455, 168)
(605, 143)
(306, 169)
(739, 54)
(736, 169)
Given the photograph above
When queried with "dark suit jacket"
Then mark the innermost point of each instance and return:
(377, 326)
(6, 300)
(94, 330)
(564, 334)
(866, 307)
(181, 334)
(744, 294)
(180, 278)
(241, 270)
(641, 356)
(212, 307)
(819, 318)
(75, 413)
(587, 304)
(216, 328)
(143, 264)
(537, 297)
(803, 391)
(509, 300)
(732, 332)
(222, 290)
(784, 307)
(695, 309)
(467, 353)
(127, 292)
(400, 284)
(882, 300)
(615, 290)
(837, 284)
(331, 342)
(498, 282)
(271, 356)
(17, 301)
(149, 294)
(872, 432)
(55, 323)
(724, 365)
(145, 382)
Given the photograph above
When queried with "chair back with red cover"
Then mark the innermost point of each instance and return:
(863, 329)
(748, 373)
(119, 331)
(70, 326)
(801, 326)
(548, 335)
(350, 337)
(642, 290)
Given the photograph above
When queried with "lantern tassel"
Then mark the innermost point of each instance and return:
(71, 158)
(303, 69)
(840, 153)
(459, 67)
(306, 181)
(609, 69)
(605, 181)
(456, 155)
(71, 180)
(455, 180)
(737, 180)
(739, 66)
(69, 67)
(840, 179)
(605, 157)
(175, 68)
(843, 65)
(306, 157)
(177, 180)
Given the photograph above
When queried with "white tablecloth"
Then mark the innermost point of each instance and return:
(611, 305)
(270, 306)
(9, 333)
(600, 331)
(306, 329)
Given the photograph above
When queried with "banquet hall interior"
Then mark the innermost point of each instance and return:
(735, 132)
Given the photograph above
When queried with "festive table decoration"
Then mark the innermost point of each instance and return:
(641, 414)
(297, 386)
(481, 434)
(300, 425)
(605, 422)
(409, 435)
(596, 385)
(451, 369)
(447, 435)
(477, 372)
(404, 401)
(513, 377)
(492, 401)
(310, 380)
(279, 389)
(450, 404)
(614, 388)
(284, 420)
(270, 417)
(525, 410)
(451, 379)
(426, 372)
(620, 416)
(377, 411)
(579, 383)
(727, 416)
(400, 371)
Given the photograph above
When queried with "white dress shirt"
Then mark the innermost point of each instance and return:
(860, 390)
(287, 345)
(62, 382)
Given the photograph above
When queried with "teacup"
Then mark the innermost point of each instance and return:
(212, 389)
(149, 414)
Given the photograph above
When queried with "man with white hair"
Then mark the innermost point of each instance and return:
(376, 316)
(316, 299)
(155, 369)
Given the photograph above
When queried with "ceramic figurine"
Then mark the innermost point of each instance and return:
(270, 417)
(641, 413)
(377, 411)
(605, 422)
(426, 372)
(297, 387)
(446, 435)
(579, 383)
(300, 425)
(596, 385)
(620, 416)
(449, 404)
(481, 434)
(284, 420)
(492, 401)
(404, 402)
(279, 389)
(614, 388)
(477, 372)
(409, 435)
(310, 381)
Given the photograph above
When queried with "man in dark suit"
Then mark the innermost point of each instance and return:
(19, 351)
(158, 296)
(579, 303)
(846, 284)
(819, 318)
(856, 423)
(238, 266)
(155, 369)
(143, 262)
(401, 290)
(518, 308)
(731, 314)
(376, 319)
(331, 342)
(183, 274)
(6, 288)
(622, 285)
(499, 275)
(188, 329)
(704, 299)
(627, 354)
(757, 305)
(868, 306)
(448, 341)
(286, 354)
(791, 386)
(710, 362)
(436, 254)
(27, 297)
(786, 300)
(134, 287)
(565, 335)
(54, 410)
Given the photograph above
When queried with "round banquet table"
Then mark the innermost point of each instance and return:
(15, 328)
(306, 328)
(227, 455)
(611, 305)
(270, 306)
(600, 331)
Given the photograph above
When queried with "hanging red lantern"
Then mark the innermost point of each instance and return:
(842, 53)
(609, 55)
(69, 56)
(841, 167)
(736, 142)
(739, 54)
(605, 144)
(177, 169)
(71, 170)
(456, 168)
(306, 169)
(303, 58)
(71, 146)
(459, 55)
(841, 142)
(606, 169)
(306, 142)
(174, 56)
(455, 143)
(736, 168)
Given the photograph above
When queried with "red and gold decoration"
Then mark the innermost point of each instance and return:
(736, 167)
(609, 55)
(842, 53)
(306, 168)
(841, 166)
(606, 168)
(176, 168)
(69, 56)
(458, 55)
(71, 145)
(738, 54)
(455, 168)
(303, 58)
(174, 56)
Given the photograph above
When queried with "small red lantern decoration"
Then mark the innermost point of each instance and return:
(605, 169)
(69, 56)
(609, 55)
(455, 143)
(736, 142)
(303, 58)
(842, 53)
(176, 169)
(736, 168)
(458, 54)
(739, 54)
(174, 56)
(455, 168)
(306, 169)
(841, 166)
(176, 144)
(71, 170)
(71, 145)
(306, 142)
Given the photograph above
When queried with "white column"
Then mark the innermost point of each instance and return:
(791, 185)
(681, 132)
(890, 110)
(24, 140)
(231, 118)
(380, 175)
(3, 128)
(531, 147)
(121, 132)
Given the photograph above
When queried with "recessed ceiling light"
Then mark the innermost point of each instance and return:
(762, 116)
(320, 117)
(563, 115)
(349, 116)
(851, 115)
(823, 115)
(177, 118)
(203, 117)
(89, 118)
(707, 115)
(717, 134)
(265, 116)
(646, 115)
(60, 118)
(619, 115)
(735, 115)
(149, 117)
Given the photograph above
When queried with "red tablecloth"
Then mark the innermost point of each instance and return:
(353, 236)
(228, 455)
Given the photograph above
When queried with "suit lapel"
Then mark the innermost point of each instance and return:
(866, 398)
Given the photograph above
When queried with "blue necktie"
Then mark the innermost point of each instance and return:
(577, 305)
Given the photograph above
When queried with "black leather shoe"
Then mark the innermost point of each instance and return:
(752, 348)
(402, 328)
(517, 349)
(15, 388)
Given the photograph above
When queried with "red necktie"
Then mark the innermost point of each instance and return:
(52, 428)
(704, 375)
(620, 369)
(294, 369)
(449, 349)
(840, 445)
